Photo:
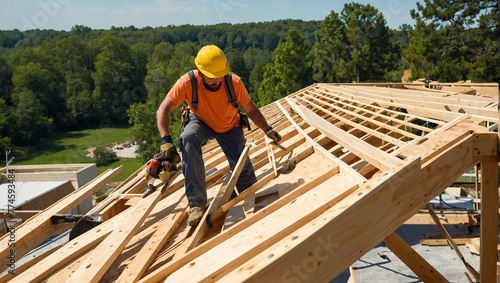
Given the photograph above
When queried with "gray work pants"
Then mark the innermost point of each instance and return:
(195, 135)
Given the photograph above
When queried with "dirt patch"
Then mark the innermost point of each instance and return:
(123, 149)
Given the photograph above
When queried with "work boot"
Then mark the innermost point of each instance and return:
(195, 215)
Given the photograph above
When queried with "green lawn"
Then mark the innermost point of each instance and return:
(71, 147)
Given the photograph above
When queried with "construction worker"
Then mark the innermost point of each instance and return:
(214, 117)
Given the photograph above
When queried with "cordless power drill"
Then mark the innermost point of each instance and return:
(157, 165)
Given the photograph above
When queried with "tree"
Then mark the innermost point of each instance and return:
(113, 77)
(29, 121)
(142, 119)
(5, 142)
(5, 81)
(157, 81)
(331, 51)
(35, 71)
(256, 77)
(167, 64)
(455, 40)
(291, 71)
(237, 64)
(272, 87)
(293, 62)
(368, 38)
(102, 155)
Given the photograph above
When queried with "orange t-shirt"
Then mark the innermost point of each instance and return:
(213, 108)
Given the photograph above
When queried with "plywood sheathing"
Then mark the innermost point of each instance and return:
(367, 158)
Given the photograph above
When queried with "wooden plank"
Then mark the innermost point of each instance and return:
(248, 205)
(317, 252)
(71, 250)
(222, 198)
(474, 273)
(310, 182)
(94, 267)
(146, 255)
(364, 118)
(371, 154)
(426, 106)
(6, 277)
(412, 259)
(345, 167)
(444, 242)
(23, 214)
(489, 220)
(444, 218)
(230, 254)
(37, 224)
(302, 154)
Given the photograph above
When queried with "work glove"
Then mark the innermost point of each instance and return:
(272, 134)
(168, 150)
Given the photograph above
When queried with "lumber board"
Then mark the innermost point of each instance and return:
(412, 259)
(70, 250)
(348, 169)
(229, 254)
(364, 129)
(489, 220)
(146, 255)
(452, 243)
(318, 252)
(94, 267)
(444, 242)
(434, 177)
(445, 219)
(222, 198)
(375, 156)
(427, 106)
(310, 181)
(37, 224)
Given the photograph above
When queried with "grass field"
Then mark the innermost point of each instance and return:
(71, 147)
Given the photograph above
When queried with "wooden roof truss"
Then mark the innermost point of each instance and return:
(367, 159)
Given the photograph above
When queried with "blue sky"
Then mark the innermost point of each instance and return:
(102, 14)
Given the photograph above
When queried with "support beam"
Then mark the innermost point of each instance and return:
(166, 228)
(94, 267)
(378, 158)
(489, 220)
(222, 197)
(412, 259)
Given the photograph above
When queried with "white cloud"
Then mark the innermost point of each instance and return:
(100, 10)
(164, 6)
(145, 10)
(71, 9)
(170, 6)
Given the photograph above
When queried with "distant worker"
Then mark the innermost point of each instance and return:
(210, 116)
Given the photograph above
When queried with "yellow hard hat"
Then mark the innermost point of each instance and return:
(212, 62)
